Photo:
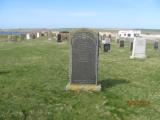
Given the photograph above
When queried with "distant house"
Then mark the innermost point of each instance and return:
(129, 33)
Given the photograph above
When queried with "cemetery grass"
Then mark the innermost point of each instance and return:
(33, 76)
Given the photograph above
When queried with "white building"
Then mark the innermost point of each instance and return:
(129, 33)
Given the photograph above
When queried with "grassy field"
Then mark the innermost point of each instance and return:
(33, 76)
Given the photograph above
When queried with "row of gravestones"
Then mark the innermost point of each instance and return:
(121, 42)
(84, 59)
(60, 37)
(17, 38)
(50, 35)
(21, 37)
(35, 35)
(137, 46)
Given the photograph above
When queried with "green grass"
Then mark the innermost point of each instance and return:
(34, 73)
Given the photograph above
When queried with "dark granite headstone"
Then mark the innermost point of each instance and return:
(106, 47)
(155, 45)
(107, 44)
(59, 38)
(84, 58)
(121, 43)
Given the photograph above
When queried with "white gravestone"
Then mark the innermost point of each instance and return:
(28, 36)
(38, 35)
(139, 48)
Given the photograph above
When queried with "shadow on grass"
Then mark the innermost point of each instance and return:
(4, 72)
(112, 82)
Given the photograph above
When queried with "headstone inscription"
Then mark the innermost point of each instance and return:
(84, 61)
(139, 48)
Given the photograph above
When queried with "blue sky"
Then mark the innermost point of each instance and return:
(80, 13)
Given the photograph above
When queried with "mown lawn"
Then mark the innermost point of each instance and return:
(34, 73)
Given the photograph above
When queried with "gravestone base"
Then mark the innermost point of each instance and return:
(83, 87)
(138, 57)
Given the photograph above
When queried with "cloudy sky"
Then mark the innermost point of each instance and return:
(80, 13)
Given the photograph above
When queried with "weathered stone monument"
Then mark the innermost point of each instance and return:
(84, 61)
(139, 48)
